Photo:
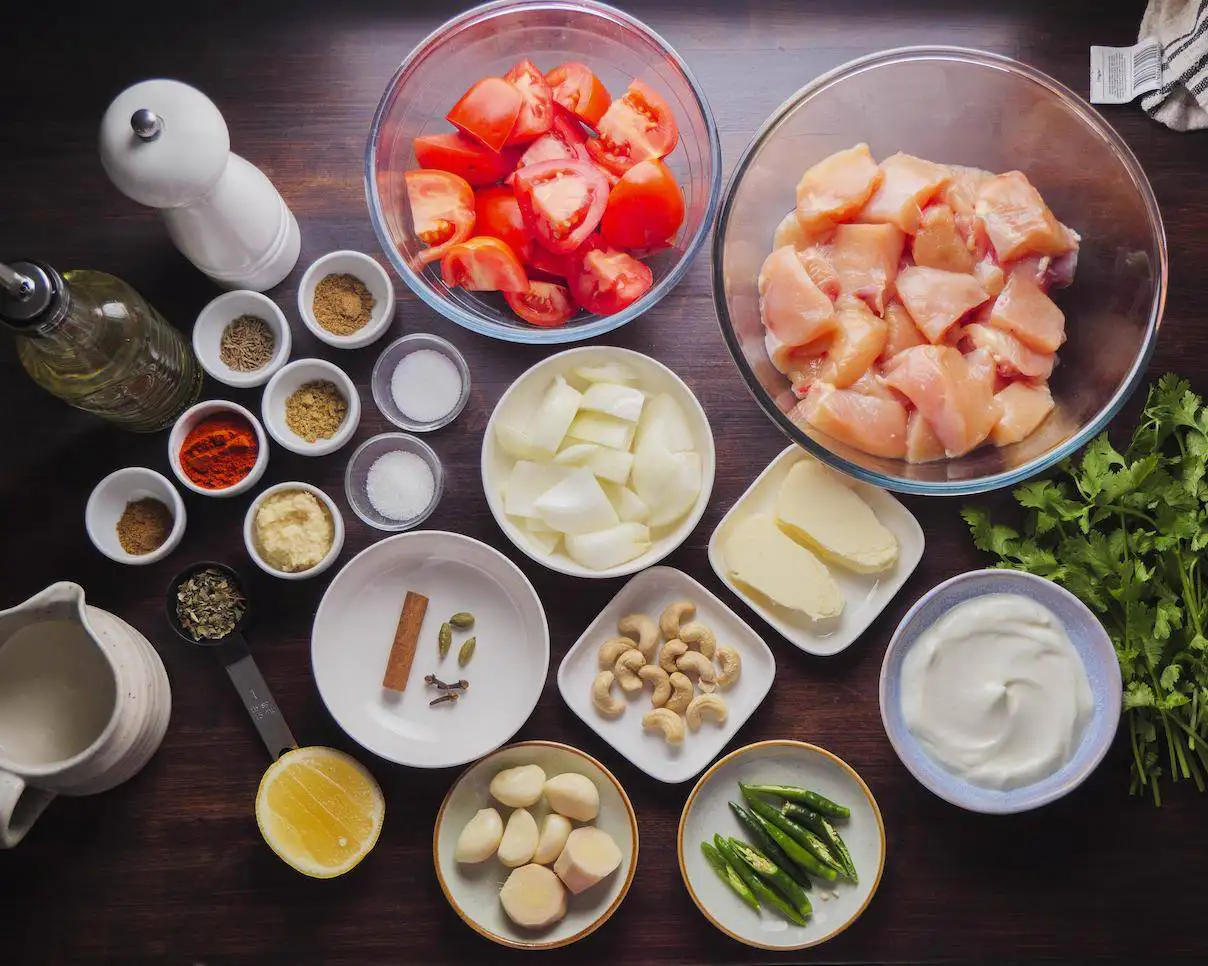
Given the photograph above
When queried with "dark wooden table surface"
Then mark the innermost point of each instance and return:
(170, 867)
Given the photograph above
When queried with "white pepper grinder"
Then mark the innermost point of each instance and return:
(165, 145)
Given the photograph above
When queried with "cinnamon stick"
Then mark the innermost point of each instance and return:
(406, 638)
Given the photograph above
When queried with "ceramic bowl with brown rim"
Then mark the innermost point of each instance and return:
(473, 889)
(707, 813)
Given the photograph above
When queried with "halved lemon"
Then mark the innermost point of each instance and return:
(319, 810)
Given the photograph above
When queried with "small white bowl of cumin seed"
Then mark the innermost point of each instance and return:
(227, 357)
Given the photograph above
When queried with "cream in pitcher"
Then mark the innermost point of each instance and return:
(84, 703)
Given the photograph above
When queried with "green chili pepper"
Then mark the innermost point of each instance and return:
(727, 874)
(771, 872)
(760, 810)
(804, 796)
(820, 825)
(770, 848)
(766, 894)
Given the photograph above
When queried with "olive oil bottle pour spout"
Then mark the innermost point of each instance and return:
(231, 649)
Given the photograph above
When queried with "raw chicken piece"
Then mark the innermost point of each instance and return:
(870, 384)
(983, 367)
(939, 244)
(960, 194)
(1018, 221)
(800, 363)
(960, 408)
(1028, 314)
(922, 445)
(903, 333)
(936, 299)
(991, 276)
(859, 339)
(819, 267)
(1024, 407)
(790, 232)
(836, 187)
(792, 307)
(866, 259)
(870, 424)
(1035, 268)
(907, 185)
(1013, 357)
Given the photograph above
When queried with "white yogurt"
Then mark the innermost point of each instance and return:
(995, 692)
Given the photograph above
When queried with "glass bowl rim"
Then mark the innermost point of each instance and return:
(601, 324)
(1093, 120)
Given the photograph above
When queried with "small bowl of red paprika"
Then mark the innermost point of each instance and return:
(218, 448)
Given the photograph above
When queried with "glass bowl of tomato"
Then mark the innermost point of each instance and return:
(989, 123)
(565, 191)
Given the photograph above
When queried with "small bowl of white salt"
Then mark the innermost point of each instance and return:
(421, 382)
(394, 481)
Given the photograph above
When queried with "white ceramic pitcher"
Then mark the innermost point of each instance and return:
(84, 704)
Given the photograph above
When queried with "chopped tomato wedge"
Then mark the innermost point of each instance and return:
(645, 208)
(488, 112)
(484, 264)
(576, 88)
(464, 157)
(561, 202)
(537, 104)
(498, 215)
(564, 141)
(540, 259)
(442, 210)
(637, 126)
(605, 279)
(546, 304)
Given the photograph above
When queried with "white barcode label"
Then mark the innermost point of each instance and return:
(1118, 74)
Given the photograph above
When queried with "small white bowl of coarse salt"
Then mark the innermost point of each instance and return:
(394, 481)
(420, 382)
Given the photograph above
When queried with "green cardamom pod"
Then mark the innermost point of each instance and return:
(445, 639)
(467, 651)
(463, 620)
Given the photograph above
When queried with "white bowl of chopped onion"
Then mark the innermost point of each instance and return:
(234, 352)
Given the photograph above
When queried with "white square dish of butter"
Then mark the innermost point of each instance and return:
(818, 559)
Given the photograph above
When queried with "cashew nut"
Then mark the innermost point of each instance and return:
(669, 621)
(681, 693)
(643, 629)
(668, 722)
(659, 680)
(698, 634)
(706, 705)
(611, 649)
(731, 666)
(626, 670)
(672, 651)
(696, 663)
(601, 696)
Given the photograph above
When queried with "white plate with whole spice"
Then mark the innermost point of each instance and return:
(346, 299)
(241, 338)
(135, 516)
(311, 407)
(368, 632)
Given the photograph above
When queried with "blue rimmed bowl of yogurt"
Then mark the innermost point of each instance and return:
(1000, 691)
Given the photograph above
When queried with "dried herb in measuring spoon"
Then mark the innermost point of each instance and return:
(209, 605)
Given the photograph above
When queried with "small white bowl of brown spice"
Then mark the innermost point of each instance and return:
(241, 339)
(346, 299)
(135, 516)
(293, 531)
(311, 407)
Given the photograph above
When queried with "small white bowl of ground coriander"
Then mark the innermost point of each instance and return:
(346, 299)
(311, 407)
(241, 339)
(293, 531)
(135, 516)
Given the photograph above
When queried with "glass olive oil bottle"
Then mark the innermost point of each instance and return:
(94, 342)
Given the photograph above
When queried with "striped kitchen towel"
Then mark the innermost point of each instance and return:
(1181, 27)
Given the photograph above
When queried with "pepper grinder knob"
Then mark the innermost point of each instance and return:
(146, 124)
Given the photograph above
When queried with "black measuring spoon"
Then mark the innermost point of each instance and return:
(232, 651)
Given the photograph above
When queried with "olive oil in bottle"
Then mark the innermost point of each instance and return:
(93, 341)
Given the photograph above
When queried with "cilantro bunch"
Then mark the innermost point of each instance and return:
(1125, 532)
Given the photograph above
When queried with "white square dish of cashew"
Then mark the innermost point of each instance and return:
(650, 593)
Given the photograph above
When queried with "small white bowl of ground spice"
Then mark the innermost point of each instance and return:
(293, 531)
(346, 299)
(241, 339)
(135, 516)
(311, 407)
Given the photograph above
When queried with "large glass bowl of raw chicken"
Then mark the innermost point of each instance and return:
(939, 270)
